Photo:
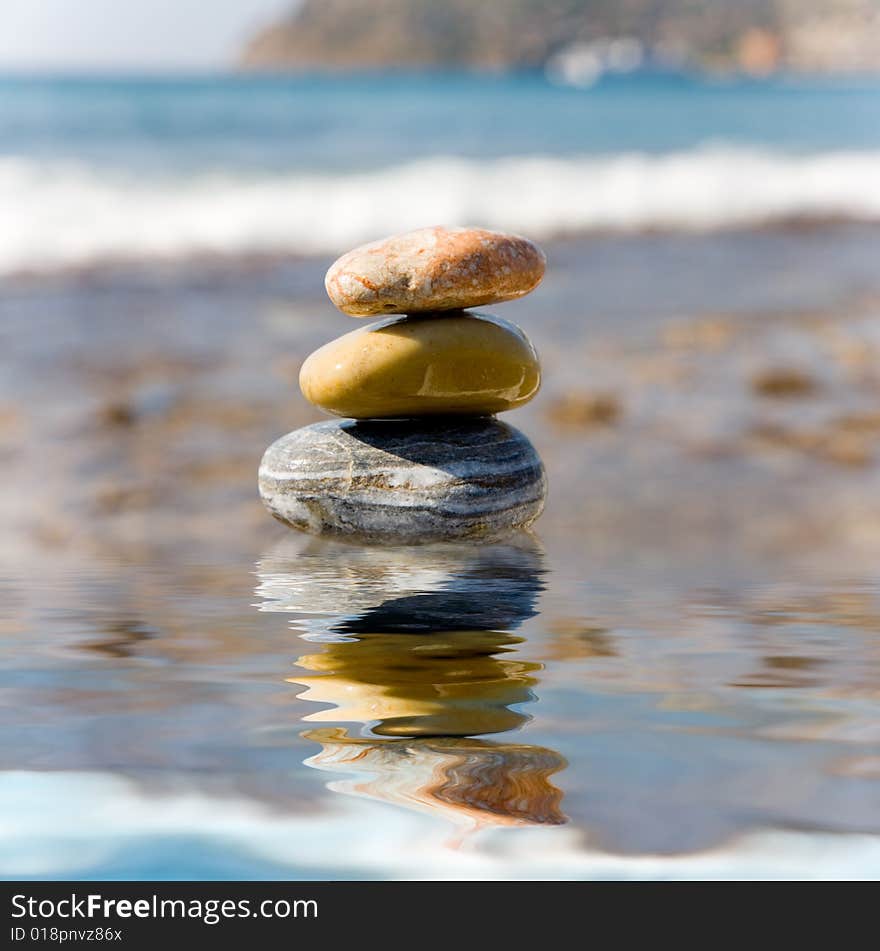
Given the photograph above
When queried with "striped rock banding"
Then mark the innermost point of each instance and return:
(447, 586)
(400, 482)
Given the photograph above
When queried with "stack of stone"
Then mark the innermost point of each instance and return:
(419, 455)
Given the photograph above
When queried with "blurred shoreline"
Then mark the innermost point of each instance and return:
(161, 265)
(679, 370)
(575, 40)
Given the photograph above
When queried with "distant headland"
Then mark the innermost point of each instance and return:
(574, 40)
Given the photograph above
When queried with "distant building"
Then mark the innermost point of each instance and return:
(582, 64)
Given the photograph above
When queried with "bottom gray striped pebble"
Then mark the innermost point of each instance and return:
(404, 480)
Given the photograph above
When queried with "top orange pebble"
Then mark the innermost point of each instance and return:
(434, 269)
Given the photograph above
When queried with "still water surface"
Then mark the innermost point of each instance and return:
(451, 711)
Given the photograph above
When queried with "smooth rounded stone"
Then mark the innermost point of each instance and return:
(434, 269)
(469, 364)
(403, 481)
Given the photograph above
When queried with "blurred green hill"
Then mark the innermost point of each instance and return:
(755, 36)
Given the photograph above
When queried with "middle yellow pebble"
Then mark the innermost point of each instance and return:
(468, 364)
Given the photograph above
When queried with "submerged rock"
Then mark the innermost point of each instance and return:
(396, 481)
(465, 364)
(434, 269)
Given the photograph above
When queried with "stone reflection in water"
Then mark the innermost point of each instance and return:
(457, 683)
(415, 645)
(472, 782)
(412, 589)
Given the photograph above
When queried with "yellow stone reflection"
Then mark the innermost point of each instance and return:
(458, 683)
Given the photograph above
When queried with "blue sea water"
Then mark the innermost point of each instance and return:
(170, 166)
(316, 123)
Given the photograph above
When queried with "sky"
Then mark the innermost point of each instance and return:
(129, 34)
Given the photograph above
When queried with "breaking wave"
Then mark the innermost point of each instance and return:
(55, 215)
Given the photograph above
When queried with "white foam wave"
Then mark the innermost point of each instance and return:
(55, 215)
(114, 817)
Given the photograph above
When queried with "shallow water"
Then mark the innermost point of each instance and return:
(333, 711)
